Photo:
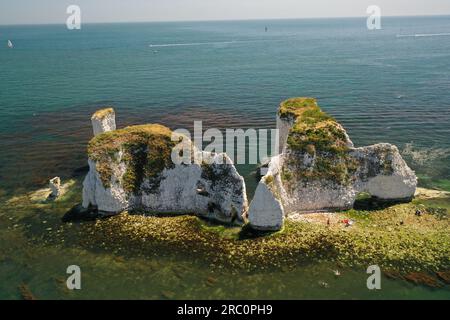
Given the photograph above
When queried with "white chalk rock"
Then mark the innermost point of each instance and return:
(284, 125)
(55, 187)
(215, 191)
(131, 169)
(103, 120)
(108, 200)
(266, 212)
(383, 173)
(317, 196)
(319, 168)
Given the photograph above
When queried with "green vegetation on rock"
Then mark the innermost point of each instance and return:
(146, 149)
(101, 114)
(318, 135)
(269, 180)
(292, 108)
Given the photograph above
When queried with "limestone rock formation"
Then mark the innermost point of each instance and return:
(103, 120)
(267, 211)
(319, 169)
(55, 187)
(132, 169)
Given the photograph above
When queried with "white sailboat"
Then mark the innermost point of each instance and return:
(10, 44)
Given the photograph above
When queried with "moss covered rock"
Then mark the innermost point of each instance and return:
(320, 169)
(132, 169)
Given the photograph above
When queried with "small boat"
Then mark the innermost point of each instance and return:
(10, 44)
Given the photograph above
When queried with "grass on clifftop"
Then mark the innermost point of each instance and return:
(319, 135)
(101, 114)
(292, 108)
(146, 151)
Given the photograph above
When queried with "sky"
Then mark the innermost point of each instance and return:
(54, 11)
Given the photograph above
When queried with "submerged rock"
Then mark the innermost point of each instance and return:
(423, 279)
(132, 169)
(319, 169)
(103, 120)
(26, 293)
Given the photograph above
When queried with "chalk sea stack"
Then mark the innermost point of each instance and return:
(132, 169)
(103, 120)
(55, 187)
(319, 169)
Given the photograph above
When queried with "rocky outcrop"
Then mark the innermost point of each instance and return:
(55, 187)
(132, 169)
(383, 173)
(267, 211)
(103, 120)
(319, 169)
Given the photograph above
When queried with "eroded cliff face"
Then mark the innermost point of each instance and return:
(319, 169)
(132, 169)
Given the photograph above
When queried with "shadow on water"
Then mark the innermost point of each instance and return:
(80, 172)
(247, 233)
(366, 202)
(79, 214)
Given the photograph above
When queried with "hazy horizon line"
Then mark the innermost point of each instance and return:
(226, 20)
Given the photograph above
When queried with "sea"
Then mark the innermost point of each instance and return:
(388, 85)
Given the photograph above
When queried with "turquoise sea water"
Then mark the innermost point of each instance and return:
(381, 87)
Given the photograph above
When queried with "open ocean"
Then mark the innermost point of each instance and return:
(380, 86)
(390, 85)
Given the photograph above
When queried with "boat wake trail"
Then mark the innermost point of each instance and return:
(423, 35)
(192, 44)
(189, 44)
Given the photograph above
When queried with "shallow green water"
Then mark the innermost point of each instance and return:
(29, 255)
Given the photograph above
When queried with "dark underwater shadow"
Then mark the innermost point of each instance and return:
(247, 233)
(80, 172)
(79, 214)
(369, 203)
